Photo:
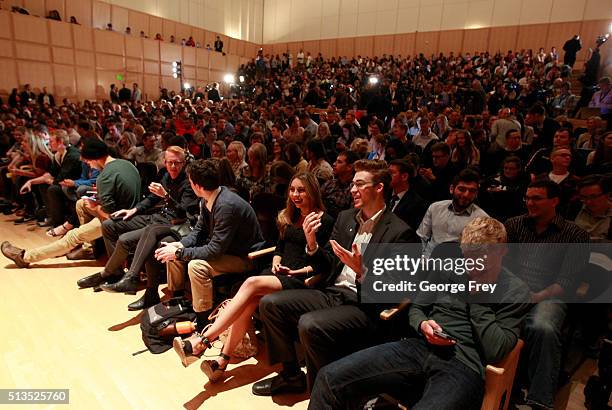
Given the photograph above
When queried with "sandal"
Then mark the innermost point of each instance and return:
(190, 349)
(58, 231)
(213, 369)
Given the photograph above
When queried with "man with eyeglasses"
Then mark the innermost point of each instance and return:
(444, 220)
(329, 321)
(548, 255)
(596, 212)
(123, 230)
(442, 172)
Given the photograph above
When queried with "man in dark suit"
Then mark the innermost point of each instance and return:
(329, 320)
(219, 45)
(405, 203)
(227, 230)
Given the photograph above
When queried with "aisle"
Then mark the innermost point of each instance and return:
(57, 336)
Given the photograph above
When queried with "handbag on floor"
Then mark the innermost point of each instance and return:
(158, 317)
(248, 346)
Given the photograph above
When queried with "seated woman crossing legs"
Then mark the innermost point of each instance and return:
(289, 270)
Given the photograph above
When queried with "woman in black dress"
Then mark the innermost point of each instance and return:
(289, 271)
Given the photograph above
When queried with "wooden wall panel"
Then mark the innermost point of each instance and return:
(169, 52)
(59, 5)
(588, 33)
(35, 7)
(109, 62)
(294, 47)
(232, 47)
(133, 47)
(451, 40)
(64, 78)
(131, 78)
(8, 79)
(189, 55)
(559, 33)
(83, 37)
(6, 48)
(279, 48)
(202, 57)
(35, 73)
(138, 22)
(5, 24)
(29, 51)
(346, 47)
(84, 58)
(233, 62)
(314, 47)
(81, 10)
(61, 34)
(29, 28)
(150, 49)
(427, 42)
(198, 36)
(183, 31)
(384, 44)
(364, 46)
(109, 42)
(155, 26)
(63, 55)
(169, 29)
(86, 83)
(241, 48)
(151, 67)
(101, 14)
(103, 81)
(133, 65)
(201, 74)
(209, 38)
(250, 50)
(475, 40)
(403, 44)
(502, 39)
(217, 61)
(120, 19)
(329, 48)
(171, 84)
(532, 36)
(150, 86)
(189, 73)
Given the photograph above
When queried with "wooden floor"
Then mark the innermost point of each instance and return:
(57, 336)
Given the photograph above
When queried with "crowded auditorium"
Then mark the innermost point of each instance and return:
(423, 188)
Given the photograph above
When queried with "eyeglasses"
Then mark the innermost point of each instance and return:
(174, 163)
(360, 184)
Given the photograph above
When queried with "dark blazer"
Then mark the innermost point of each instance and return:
(70, 168)
(389, 229)
(232, 229)
(411, 209)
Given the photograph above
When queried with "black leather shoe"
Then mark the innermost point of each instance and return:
(127, 284)
(279, 385)
(150, 298)
(91, 281)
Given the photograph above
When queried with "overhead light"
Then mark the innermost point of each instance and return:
(175, 75)
(174, 64)
(186, 86)
(229, 78)
(373, 80)
(241, 78)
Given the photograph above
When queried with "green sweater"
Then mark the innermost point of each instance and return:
(485, 332)
(118, 186)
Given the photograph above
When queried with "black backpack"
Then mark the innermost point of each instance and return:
(158, 317)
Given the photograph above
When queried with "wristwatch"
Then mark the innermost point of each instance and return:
(179, 253)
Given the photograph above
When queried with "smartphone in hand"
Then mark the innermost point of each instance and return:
(443, 335)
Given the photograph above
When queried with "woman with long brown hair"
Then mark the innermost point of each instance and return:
(289, 271)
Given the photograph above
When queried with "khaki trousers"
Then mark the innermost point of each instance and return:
(201, 274)
(89, 231)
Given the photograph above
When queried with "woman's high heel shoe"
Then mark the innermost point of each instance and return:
(213, 370)
(190, 349)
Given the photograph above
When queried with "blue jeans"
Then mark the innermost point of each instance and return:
(406, 369)
(543, 346)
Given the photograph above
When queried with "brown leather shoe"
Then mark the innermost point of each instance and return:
(81, 254)
(14, 253)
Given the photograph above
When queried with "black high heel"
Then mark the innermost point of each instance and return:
(185, 348)
(213, 370)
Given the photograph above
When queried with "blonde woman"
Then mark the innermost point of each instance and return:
(289, 271)
(236, 154)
